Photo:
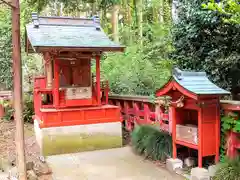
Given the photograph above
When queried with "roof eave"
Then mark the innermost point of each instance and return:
(40, 49)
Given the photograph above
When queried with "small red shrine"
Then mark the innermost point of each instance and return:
(195, 112)
(69, 93)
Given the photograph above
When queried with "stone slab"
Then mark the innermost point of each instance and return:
(110, 164)
(199, 174)
(173, 164)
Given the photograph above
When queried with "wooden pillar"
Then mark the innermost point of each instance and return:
(17, 95)
(157, 112)
(56, 83)
(218, 131)
(98, 80)
(106, 93)
(48, 68)
(146, 113)
(200, 117)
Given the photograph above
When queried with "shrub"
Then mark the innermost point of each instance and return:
(28, 109)
(230, 170)
(151, 142)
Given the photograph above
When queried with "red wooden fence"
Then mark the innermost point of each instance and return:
(143, 110)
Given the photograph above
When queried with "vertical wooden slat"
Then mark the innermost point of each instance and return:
(56, 83)
(200, 120)
(98, 80)
(173, 111)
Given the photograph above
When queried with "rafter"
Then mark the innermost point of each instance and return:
(9, 3)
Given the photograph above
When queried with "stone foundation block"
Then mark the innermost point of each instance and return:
(173, 164)
(212, 170)
(199, 174)
(72, 139)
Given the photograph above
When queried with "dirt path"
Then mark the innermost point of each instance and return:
(8, 153)
(114, 164)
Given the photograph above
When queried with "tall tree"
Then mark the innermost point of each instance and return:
(115, 11)
(203, 41)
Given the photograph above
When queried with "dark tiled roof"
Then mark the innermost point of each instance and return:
(197, 83)
(67, 32)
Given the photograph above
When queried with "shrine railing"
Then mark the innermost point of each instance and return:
(140, 110)
(143, 110)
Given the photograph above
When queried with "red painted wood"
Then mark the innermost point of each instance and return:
(172, 85)
(200, 149)
(1, 111)
(79, 116)
(210, 121)
(183, 143)
(202, 111)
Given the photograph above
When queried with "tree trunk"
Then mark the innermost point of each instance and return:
(115, 11)
(175, 4)
(94, 8)
(155, 14)
(161, 11)
(128, 13)
(17, 91)
(167, 11)
(140, 20)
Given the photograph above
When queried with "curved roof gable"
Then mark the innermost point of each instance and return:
(196, 83)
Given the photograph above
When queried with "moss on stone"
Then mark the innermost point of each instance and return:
(62, 144)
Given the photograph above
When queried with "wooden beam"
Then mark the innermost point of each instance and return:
(79, 49)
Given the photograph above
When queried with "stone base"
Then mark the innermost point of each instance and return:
(199, 174)
(173, 164)
(71, 139)
(212, 170)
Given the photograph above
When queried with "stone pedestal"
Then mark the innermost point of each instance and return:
(199, 174)
(173, 164)
(212, 170)
(70, 139)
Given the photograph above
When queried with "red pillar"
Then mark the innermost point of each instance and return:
(98, 80)
(173, 114)
(200, 138)
(218, 131)
(1, 111)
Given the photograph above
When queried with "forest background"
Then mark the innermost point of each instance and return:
(158, 34)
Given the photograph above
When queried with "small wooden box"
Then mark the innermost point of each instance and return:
(187, 133)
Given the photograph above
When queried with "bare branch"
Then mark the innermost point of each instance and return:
(9, 3)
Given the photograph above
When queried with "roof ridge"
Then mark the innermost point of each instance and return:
(179, 74)
(65, 21)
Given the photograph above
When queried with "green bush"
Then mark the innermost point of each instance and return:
(230, 170)
(151, 142)
(28, 109)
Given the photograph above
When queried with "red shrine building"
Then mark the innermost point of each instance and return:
(70, 92)
(194, 113)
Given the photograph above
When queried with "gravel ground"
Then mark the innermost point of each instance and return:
(8, 153)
